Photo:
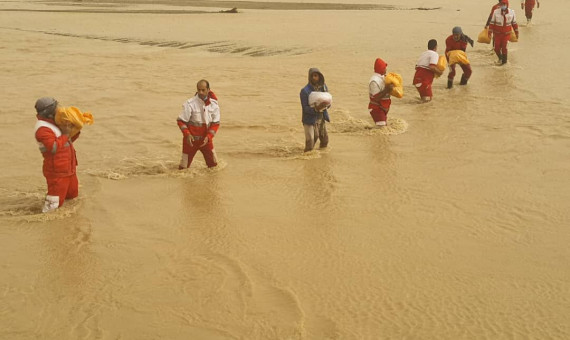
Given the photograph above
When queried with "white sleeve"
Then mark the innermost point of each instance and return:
(214, 111)
(186, 112)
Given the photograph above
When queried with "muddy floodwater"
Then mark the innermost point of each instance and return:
(451, 223)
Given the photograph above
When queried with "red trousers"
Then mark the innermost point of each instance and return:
(379, 113)
(466, 71)
(188, 153)
(63, 187)
(528, 7)
(423, 80)
(501, 40)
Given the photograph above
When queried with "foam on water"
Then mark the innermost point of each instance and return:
(26, 206)
(148, 166)
(343, 122)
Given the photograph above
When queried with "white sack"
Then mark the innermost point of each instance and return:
(316, 98)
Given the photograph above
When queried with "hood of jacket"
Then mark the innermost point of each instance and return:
(316, 70)
(380, 66)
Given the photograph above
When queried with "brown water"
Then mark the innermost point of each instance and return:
(451, 224)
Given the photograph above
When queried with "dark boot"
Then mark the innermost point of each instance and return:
(463, 80)
(449, 83)
(504, 60)
(500, 57)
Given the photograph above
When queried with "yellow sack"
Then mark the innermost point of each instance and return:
(396, 79)
(458, 57)
(397, 92)
(441, 65)
(73, 115)
(484, 37)
(513, 37)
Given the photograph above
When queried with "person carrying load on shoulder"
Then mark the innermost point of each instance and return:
(315, 115)
(503, 21)
(60, 161)
(457, 41)
(528, 6)
(379, 94)
(426, 68)
(199, 122)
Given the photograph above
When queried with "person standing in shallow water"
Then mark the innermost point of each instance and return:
(199, 122)
(314, 117)
(426, 69)
(60, 161)
(379, 94)
(457, 41)
(528, 6)
(503, 20)
(495, 6)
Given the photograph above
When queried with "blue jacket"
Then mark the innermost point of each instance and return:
(310, 115)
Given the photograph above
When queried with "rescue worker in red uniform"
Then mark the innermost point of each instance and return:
(426, 69)
(503, 20)
(528, 6)
(457, 41)
(199, 122)
(60, 162)
(379, 94)
(495, 6)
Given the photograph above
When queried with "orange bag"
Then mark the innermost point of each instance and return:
(513, 37)
(484, 37)
(458, 57)
(66, 115)
(396, 79)
(441, 65)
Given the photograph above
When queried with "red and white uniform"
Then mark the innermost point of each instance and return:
(378, 105)
(60, 162)
(502, 22)
(492, 10)
(423, 78)
(199, 119)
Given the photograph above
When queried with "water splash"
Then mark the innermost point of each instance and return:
(26, 206)
(343, 122)
(146, 166)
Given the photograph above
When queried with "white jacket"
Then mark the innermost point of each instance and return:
(196, 112)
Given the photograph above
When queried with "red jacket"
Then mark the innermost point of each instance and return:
(452, 45)
(503, 22)
(493, 9)
(57, 149)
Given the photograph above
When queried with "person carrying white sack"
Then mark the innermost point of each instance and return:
(315, 114)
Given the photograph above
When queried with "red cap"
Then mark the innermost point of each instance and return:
(380, 66)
